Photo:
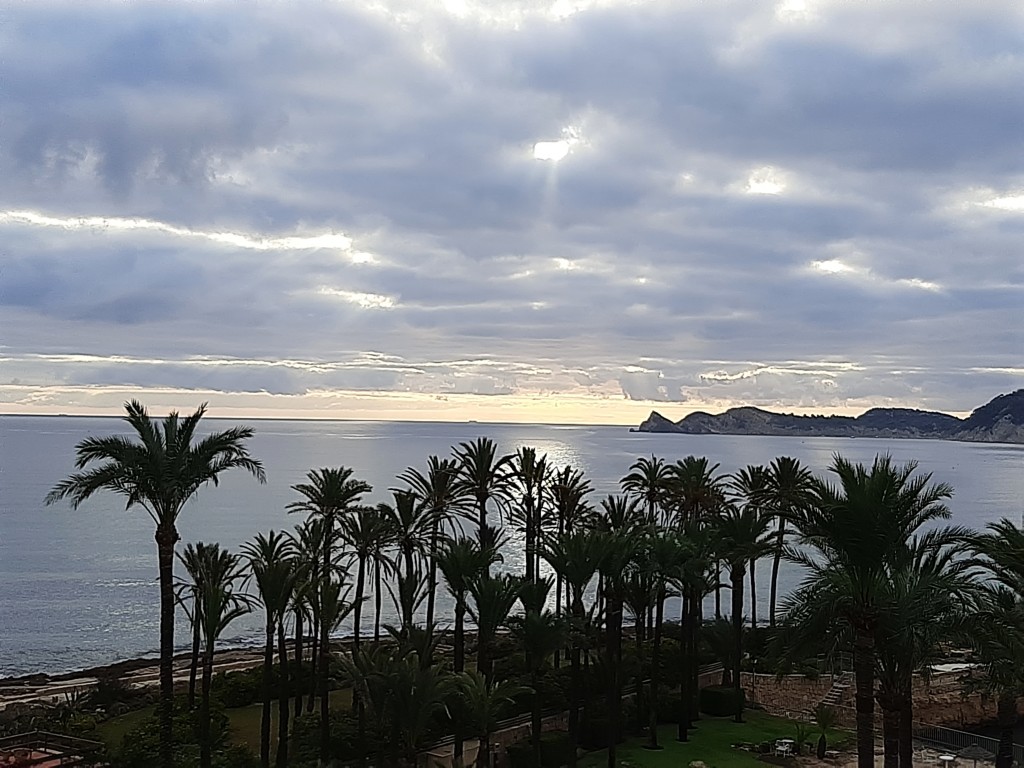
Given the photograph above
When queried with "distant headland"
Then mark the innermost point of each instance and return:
(1001, 420)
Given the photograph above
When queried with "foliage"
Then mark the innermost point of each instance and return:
(555, 751)
(140, 746)
(719, 700)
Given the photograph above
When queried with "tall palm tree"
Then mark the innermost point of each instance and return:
(462, 560)
(159, 468)
(440, 494)
(482, 475)
(330, 495)
(367, 532)
(741, 538)
(616, 557)
(576, 557)
(790, 489)
(568, 491)
(524, 497)
(192, 558)
(486, 704)
(750, 485)
(996, 626)
(541, 634)
(851, 538)
(648, 481)
(493, 598)
(696, 492)
(307, 543)
(271, 561)
(928, 597)
(220, 603)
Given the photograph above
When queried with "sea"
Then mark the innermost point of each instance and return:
(78, 587)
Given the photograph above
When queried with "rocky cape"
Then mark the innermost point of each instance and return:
(1001, 420)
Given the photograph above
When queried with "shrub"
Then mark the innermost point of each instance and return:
(555, 751)
(238, 689)
(720, 701)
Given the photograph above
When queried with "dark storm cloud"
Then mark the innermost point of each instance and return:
(745, 183)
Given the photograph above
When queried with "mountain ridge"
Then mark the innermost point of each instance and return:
(1001, 420)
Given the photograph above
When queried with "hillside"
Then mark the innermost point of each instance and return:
(1000, 420)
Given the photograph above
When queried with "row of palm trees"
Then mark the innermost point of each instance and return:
(882, 576)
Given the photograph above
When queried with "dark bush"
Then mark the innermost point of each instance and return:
(344, 741)
(720, 701)
(555, 751)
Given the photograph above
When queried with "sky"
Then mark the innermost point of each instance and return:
(568, 211)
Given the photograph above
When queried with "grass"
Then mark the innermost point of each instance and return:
(244, 721)
(711, 742)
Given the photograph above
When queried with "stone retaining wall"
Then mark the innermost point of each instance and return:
(939, 700)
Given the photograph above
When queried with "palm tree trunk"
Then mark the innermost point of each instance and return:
(574, 690)
(432, 578)
(531, 535)
(613, 629)
(205, 743)
(193, 667)
(737, 630)
(697, 609)
(718, 590)
(166, 538)
(268, 663)
(298, 663)
(535, 725)
(652, 705)
(459, 661)
(906, 725)
(864, 672)
(1006, 716)
(314, 667)
(325, 646)
(483, 753)
(774, 587)
(891, 733)
(558, 612)
(377, 597)
(753, 596)
(639, 627)
(684, 678)
(282, 701)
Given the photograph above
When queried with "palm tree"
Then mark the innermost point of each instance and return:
(851, 537)
(462, 561)
(160, 471)
(482, 475)
(366, 532)
(219, 604)
(568, 493)
(617, 555)
(928, 595)
(192, 558)
(486, 704)
(750, 485)
(440, 493)
(307, 543)
(667, 555)
(330, 494)
(648, 481)
(575, 557)
(789, 490)
(996, 626)
(696, 493)
(493, 600)
(524, 496)
(541, 634)
(274, 570)
(741, 538)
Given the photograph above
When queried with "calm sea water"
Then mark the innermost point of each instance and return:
(78, 588)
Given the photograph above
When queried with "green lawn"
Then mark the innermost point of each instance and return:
(711, 741)
(245, 721)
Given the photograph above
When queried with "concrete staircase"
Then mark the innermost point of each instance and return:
(837, 692)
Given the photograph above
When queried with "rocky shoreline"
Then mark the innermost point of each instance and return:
(1001, 420)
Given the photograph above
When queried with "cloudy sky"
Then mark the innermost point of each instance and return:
(528, 210)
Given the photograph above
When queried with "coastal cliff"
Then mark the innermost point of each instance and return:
(1001, 420)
